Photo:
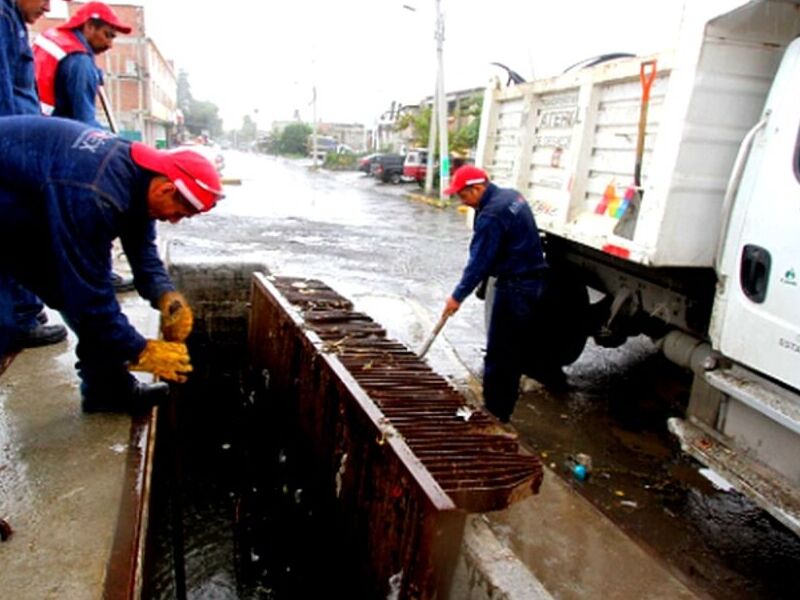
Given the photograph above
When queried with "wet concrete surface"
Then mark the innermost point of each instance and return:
(62, 473)
(398, 260)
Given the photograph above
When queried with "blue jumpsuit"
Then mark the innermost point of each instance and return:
(77, 80)
(17, 97)
(66, 192)
(506, 245)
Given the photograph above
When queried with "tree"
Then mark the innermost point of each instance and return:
(294, 138)
(203, 118)
(465, 138)
(462, 140)
(248, 132)
(420, 124)
(199, 117)
(184, 91)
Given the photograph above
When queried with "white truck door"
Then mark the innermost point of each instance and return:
(758, 306)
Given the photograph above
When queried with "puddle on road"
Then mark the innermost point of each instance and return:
(720, 543)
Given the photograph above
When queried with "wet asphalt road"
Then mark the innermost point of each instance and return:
(397, 260)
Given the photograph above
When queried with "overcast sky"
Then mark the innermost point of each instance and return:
(362, 54)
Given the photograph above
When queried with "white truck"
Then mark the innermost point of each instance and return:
(671, 184)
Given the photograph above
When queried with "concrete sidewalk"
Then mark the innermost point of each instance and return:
(63, 474)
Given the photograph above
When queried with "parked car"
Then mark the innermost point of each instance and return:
(365, 163)
(415, 160)
(389, 168)
(422, 170)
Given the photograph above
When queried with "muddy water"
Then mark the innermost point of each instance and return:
(398, 260)
(719, 543)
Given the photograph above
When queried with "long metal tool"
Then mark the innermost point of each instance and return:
(626, 226)
(112, 122)
(428, 342)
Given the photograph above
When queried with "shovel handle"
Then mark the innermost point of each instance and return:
(112, 122)
(647, 75)
(427, 345)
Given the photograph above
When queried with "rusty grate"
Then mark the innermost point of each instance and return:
(478, 464)
(398, 467)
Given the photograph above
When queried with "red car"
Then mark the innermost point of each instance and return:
(414, 165)
(365, 163)
(421, 171)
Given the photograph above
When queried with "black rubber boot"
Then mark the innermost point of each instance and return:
(122, 284)
(42, 335)
(141, 398)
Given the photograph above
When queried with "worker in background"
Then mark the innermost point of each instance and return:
(67, 190)
(28, 326)
(68, 78)
(506, 245)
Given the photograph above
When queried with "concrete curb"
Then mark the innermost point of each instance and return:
(428, 200)
(487, 570)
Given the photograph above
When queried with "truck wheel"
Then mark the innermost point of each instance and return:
(395, 178)
(562, 324)
(564, 318)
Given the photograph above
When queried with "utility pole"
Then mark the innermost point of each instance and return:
(431, 142)
(441, 101)
(314, 127)
(438, 106)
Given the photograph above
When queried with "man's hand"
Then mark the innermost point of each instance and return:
(168, 360)
(451, 305)
(176, 316)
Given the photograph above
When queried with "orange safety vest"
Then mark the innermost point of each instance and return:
(49, 48)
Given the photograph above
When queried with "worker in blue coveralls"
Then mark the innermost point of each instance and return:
(67, 77)
(67, 191)
(18, 97)
(506, 245)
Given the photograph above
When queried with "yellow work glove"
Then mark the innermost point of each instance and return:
(176, 317)
(168, 360)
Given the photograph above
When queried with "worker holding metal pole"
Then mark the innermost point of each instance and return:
(505, 245)
(69, 81)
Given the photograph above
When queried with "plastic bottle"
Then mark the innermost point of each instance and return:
(579, 465)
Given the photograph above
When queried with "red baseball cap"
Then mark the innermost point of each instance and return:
(195, 177)
(95, 10)
(464, 177)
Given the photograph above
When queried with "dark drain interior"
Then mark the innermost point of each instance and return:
(233, 514)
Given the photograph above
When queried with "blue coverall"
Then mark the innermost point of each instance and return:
(77, 80)
(67, 191)
(506, 245)
(17, 97)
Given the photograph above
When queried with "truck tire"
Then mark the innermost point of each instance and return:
(395, 178)
(562, 324)
(563, 320)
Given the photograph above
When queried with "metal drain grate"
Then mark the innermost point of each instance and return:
(404, 455)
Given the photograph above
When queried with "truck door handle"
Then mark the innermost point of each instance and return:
(754, 272)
